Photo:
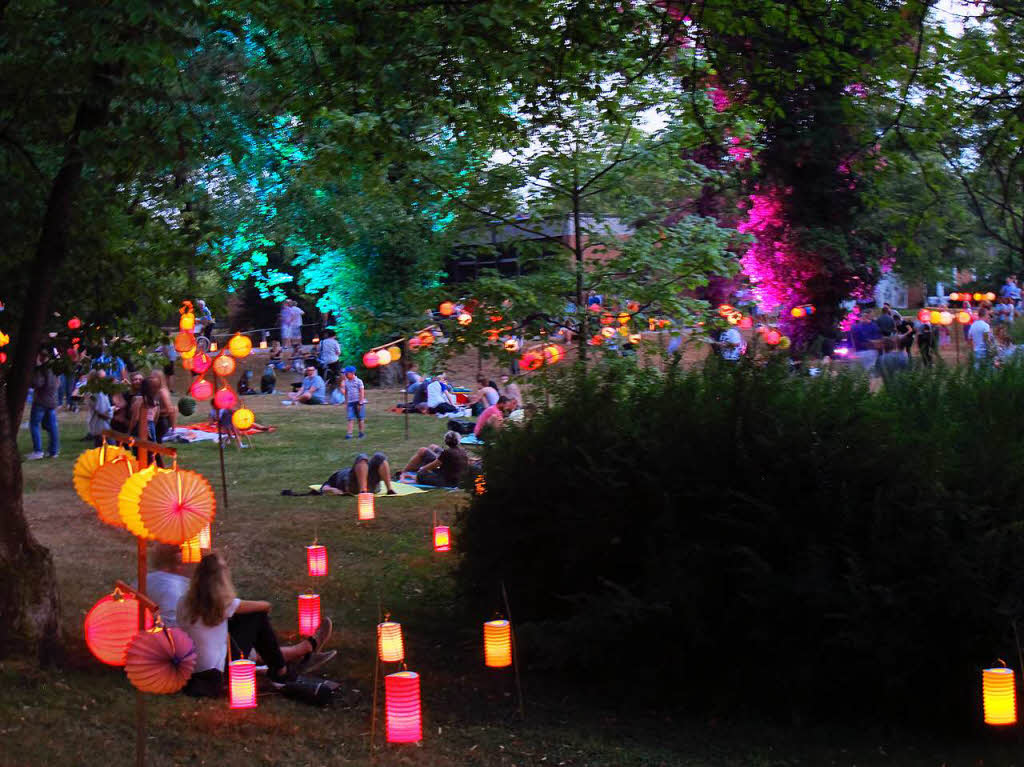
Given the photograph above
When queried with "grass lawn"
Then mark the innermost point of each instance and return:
(83, 714)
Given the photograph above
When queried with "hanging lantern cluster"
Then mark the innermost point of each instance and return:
(773, 337)
(167, 505)
(422, 339)
(111, 624)
(990, 296)
(381, 357)
(799, 312)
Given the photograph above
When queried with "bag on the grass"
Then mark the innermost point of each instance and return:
(308, 689)
(460, 427)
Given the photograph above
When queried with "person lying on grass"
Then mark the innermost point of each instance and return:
(364, 476)
(211, 613)
(440, 467)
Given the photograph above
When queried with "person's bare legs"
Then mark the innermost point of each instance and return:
(422, 457)
(362, 470)
(296, 651)
(385, 476)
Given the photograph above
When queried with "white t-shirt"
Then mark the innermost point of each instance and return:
(978, 330)
(211, 641)
(330, 351)
(166, 589)
(731, 336)
(435, 394)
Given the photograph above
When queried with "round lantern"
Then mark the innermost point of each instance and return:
(224, 365)
(446, 308)
(189, 354)
(364, 506)
(160, 661)
(954, 296)
(242, 684)
(426, 338)
(990, 296)
(772, 337)
(442, 538)
(624, 331)
(935, 317)
(239, 346)
(498, 644)
(924, 315)
(74, 323)
(383, 357)
(86, 467)
(371, 360)
(243, 418)
(746, 323)
(309, 614)
(530, 361)
(316, 560)
(596, 340)
(402, 722)
(171, 507)
(128, 500)
(511, 344)
(184, 341)
(785, 342)
(201, 363)
(187, 322)
(724, 309)
(553, 353)
(105, 487)
(465, 318)
(946, 318)
(201, 389)
(607, 331)
(978, 296)
(964, 318)
(607, 319)
(414, 343)
(797, 312)
(395, 352)
(635, 338)
(389, 642)
(3, 357)
(186, 363)
(225, 399)
(623, 318)
(110, 626)
(999, 692)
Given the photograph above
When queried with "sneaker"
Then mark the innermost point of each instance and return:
(52, 455)
(348, 436)
(361, 435)
(34, 456)
(315, 660)
(322, 634)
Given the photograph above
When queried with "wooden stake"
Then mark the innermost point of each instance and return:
(223, 476)
(515, 652)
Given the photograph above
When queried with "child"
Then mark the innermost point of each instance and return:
(268, 381)
(355, 401)
(101, 411)
(210, 612)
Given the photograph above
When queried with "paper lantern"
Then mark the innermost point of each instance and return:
(224, 365)
(978, 296)
(191, 553)
(498, 644)
(733, 318)
(160, 661)
(201, 363)
(935, 317)
(86, 466)
(3, 357)
(201, 389)
(243, 418)
(402, 721)
(746, 323)
(511, 344)
(426, 338)
(242, 684)
(954, 296)
(239, 346)
(187, 322)
(946, 318)
(213, 346)
(316, 560)
(530, 361)
(316, 339)
(74, 323)
(184, 341)
(105, 487)
(596, 340)
(465, 318)
(173, 506)
(309, 614)
(186, 363)
(263, 344)
(371, 360)
(383, 357)
(442, 538)
(623, 318)
(924, 316)
(964, 318)
(205, 537)
(390, 647)
(797, 312)
(414, 343)
(724, 309)
(395, 352)
(635, 338)
(624, 331)
(990, 296)
(110, 626)
(607, 319)
(225, 398)
(446, 308)
(553, 353)
(128, 500)
(364, 505)
(607, 332)
(999, 691)
(189, 354)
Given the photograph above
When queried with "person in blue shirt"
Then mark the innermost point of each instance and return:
(313, 390)
(355, 401)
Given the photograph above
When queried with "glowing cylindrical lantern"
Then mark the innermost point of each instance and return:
(446, 308)
(383, 357)
(187, 323)
(364, 505)
(243, 418)
(201, 389)
(239, 345)
(111, 624)
(213, 346)
(224, 365)
(309, 613)
(465, 318)
(935, 317)
(371, 360)
(498, 644)
(316, 559)
(205, 537)
(191, 553)
(263, 344)
(225, 399)
(402, 722)
(999, 689)
(395, 352)
(389, 642)
(242, 684)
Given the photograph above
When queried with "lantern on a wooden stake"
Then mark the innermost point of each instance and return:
(395, 352)
(105, 487)
(364, 506)
(402, 723)
(442, 538)
(999, 690)
(242, 684)
(201, 389)
(160, 661)
(309, 614)
(243, 419)
(111, 624)
(239, 346)
(224, 365)
(316, 560)
(225, 398)
(390, 646)
(498, 644)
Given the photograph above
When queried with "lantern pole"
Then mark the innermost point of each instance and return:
(376, 676)
(515, 652)
(140, 548)
(223, 476)
(957, 341)
(405, 388)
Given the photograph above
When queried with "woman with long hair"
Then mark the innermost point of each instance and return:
(167, 414)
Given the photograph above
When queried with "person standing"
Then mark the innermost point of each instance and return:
(980, 336)
(167, 414)
(355, 401)
(730, 344)
(330, 353)
(886, 324)
(905, 334)
(44, 409)
(927, 340)
(100, 410)
(204, 317)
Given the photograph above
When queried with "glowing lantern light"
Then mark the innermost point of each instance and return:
(498, 644)
(371, 360)
(201, 363)
(105, 486)
(946, 318)
(596, 340)
(191, 553)
(189, 354)
(201, 389)
(111, 624)
(239, 346)
(978, 296)
(446, 308)
(426, 338)
(798, 312)
(607, 332)
(734, 318)
(383, 357)
(623, 318)
(206, 537)
(184, 341)
(553, 353)
(465, 318)
(316, 560)
(224, 365)
(186, 363)
(924, 315)
(999, 691)
(74, 323)
(225, 399)
(414, 343)
(160, 660)
(724, 309)
(594, 308)
(935, 317)
(263, 344)
(607, 319)
(530, 361)
(309, 614)
(4, 338)
(954, 296)
(187, 322)
(492, 335)
(395, 352)
(635, 338)
(442, 538)
(402, 707)
(364, 505)
(390, 646)
(242, 684)
(772, 337)
(990, 296)
(511, 344)
(213, 346)
(964, 318)
(3, 357)
(86, 466)
(243, 419)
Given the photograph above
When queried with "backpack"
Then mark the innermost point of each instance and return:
(460, 427)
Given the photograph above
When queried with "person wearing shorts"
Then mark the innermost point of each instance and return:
(364, 476)
(355, 401)
(437, 466)
(313, 390)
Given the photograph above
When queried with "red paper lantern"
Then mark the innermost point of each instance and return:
(201, 363)
(309, 614)
(225, 399)
(607, 319)
(442, 538)
(371, 360)
(530, 361)
(403, 723)
(201, 389)
(746, 323)
(316, 559)
(924, 315)
(3, 357)
(596, 340)
(426, 338)
(74, 323)
(498, 644)
(446, 308)
(594, 308)
(111, 624)
(414, 343)
(772, 337)
(223, 365)
(390, 646)
(242, 684)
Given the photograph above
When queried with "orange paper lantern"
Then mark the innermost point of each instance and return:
(990, 296)
(173, 506)
(531, 361)
(553, 353)
(935, 317)
(607, 319)
(105, 487)
(446, 308)
(964, 318)
(403, 722)
(309, 614)
(390, 647)
(498, 644)
(395, 352)
(978, 296)
(999, 691)
(596, 340)
(187, 322)
(110, 626)
(426, 338)
(316, 560)
(371, 360)
(184, 341)
(239, 346)
(186, 363)
(160, 661)
(225, 398)
(242, 684)
(201, 389)
(224, 365)
(243, 419)
(364, 506)
(86, 466)
(442, 538)
(191, 554)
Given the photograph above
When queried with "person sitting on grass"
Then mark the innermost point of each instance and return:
(364, 476)
(493, 417)
(439, 467)
(210, 612)
(440, 397)
(313, 390)
(168, 580)
(485, 396)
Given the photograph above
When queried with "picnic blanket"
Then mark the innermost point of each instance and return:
(470, 439)
(399, 487)
(188, 434)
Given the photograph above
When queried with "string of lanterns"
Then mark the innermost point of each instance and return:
(976, 296)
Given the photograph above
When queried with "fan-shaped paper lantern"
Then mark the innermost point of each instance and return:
(239, 346)
(110, 626)
(201, 389)
(173, 506)
(446, 308)
(160, 661)
(316, 560)
(184, 341)
(402, 723)
(242, 684)
(389, 642)
(498, 644)
(225, 398)
(201, 363)
(395, 352)
(224, 365)
(130, 495)
(442, 538)
(85, 468)
(465, 318)
(371, 360)
(999, 690)
(383, 357)
(309, 614)
(243, 418)
(187, 322)
(105, 487)
(364, 506)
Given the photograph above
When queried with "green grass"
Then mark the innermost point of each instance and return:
(83, 714)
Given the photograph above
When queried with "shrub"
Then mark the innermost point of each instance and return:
(756, 539)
